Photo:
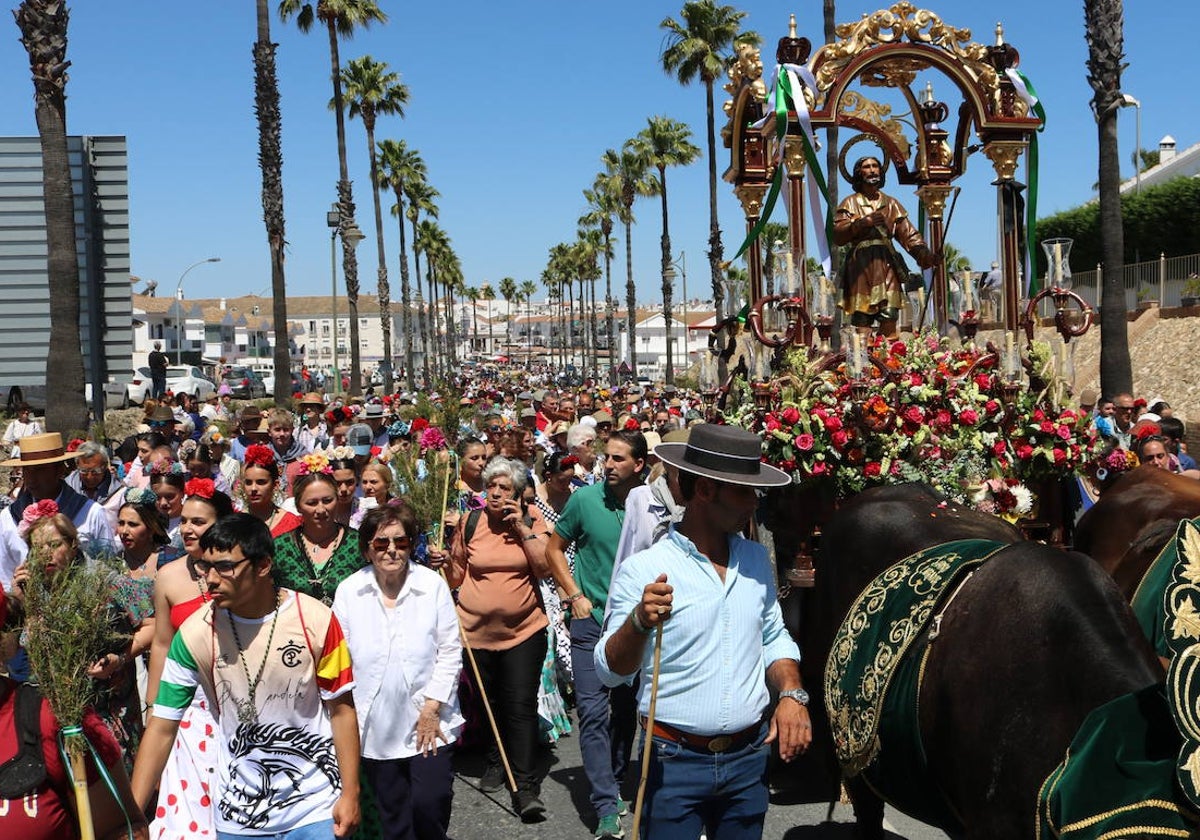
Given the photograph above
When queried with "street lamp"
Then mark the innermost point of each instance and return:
(179, 300)
(1128, 101)
(353, 236)
(681, 264)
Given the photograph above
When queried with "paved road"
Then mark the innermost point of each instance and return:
(480, 816)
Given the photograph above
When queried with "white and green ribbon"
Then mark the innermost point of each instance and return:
(788, 90)
(1025, 90)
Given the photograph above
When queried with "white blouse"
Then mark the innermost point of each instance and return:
(400, 656)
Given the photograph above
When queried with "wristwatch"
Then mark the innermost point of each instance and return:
(797, 694)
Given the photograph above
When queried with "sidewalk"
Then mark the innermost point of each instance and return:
(481, 816)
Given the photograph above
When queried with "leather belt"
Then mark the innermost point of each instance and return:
(704, 743)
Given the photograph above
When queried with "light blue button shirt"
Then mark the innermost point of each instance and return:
(718, 642)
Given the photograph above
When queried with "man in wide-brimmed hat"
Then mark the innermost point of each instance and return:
(711, 594)
(44, 463)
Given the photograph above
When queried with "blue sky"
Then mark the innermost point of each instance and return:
(512, 105)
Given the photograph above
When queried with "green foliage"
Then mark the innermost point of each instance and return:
(68, 629)
(1160, 220)
(427, 495)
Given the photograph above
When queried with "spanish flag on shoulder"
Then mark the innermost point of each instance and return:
(334, 673)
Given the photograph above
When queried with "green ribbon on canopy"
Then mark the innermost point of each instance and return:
(1029, 95)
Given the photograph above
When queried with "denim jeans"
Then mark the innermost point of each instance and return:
(723, 794)
(607, 720)
(322, 830)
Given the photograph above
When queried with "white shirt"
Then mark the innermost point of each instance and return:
(91, 521)
(401, 656)
(17, 430)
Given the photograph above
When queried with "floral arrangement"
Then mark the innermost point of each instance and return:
(258, 455)
(164, 466)
(432, 438)
(922, 411)
(315, 462)
(34, 512)
(201, 487)
(339, 453)
(140, 496)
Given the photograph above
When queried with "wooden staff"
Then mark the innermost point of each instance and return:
(451, 461)
(647, 743)
(83, 803)
(462, 635)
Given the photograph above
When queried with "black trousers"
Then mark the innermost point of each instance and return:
(413, 794)
(511, 678)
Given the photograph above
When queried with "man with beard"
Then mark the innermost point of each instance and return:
(592, 520)
(275, 669)
(868, 221)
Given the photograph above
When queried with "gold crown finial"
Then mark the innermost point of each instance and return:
(792, 25)
(999, 34)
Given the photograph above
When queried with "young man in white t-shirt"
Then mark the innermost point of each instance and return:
(276, 672)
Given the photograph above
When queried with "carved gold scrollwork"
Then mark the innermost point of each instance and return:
(878, 114)
(903, 21)
(934, 196)
(751, 196)
(1004, 155)
(746, 69)
(793, 156)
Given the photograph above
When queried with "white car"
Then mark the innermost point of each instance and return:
(188, 379)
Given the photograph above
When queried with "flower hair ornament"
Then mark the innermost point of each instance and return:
(568, 463)
(258, 455)
(340, 453)
(202, 487)
(398, 429)
(213, 436)
(432, 438)
(140, 496)
(34, 512)
(164, 466)
(315, 463)
(187, 449)
(75, 444)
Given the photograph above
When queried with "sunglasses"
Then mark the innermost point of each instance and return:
(397, 543)
(223, 568)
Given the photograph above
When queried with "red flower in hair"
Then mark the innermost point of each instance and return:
(1145, 431)
(632, 425)
(74, 444)
(420, 424)
(202, 487)
(258, 455)
(568, 463)
(376, 451)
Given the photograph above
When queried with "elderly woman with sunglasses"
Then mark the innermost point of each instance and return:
(402, 630)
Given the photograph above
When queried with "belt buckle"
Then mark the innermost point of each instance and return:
(719, 744)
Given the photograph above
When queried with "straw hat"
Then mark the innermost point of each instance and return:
(45, 448)
(313, 398)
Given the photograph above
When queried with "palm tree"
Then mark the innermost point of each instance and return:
(629, 170)
(508, 291)
(488, 294)
(555, 276)
(604, 202)
(700, 47)
(527, 289)
(270, 161)
(666, 142)
(1106, 47)
(587, 249)
(341, 18)
(450, 274)
(372, 90)
(43, 25)
(398, 165)
(434, 243)
(420, 197)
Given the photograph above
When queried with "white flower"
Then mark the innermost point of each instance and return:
(1024, 499)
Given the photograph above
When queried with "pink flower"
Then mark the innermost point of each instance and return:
(432, 438)
(968, 417)
(914, 415)
(941, 419)
(1063, 432)
(804, 442)
(818, 468)
(983, 381)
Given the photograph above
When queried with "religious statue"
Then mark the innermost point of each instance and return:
(874, 273)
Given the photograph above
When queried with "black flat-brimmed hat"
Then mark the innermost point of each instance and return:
(723, 453)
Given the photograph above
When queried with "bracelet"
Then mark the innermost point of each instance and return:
(642, 629)
(573, 598)
(531, 537)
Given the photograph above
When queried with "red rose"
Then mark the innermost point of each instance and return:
(898, 348)
(772, 423)
(872, 469)
(1025, 452)
(790, 416)
(420, 424)
(916, 380)
(832, 423)
(1068, 416)
(1038, 415)
(914, 415)
(999, 448)
(991, 406)
(1047, 427)
(983, 381)
(1060, 457)
(942, 419)
(818, 468)
(839, 438)
(819, 411)
(804, 442)
(968, 417)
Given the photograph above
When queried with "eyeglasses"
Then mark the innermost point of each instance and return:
(93, 471)
(1122, 408)
(223, 568)
(401, 543)
(493, 428)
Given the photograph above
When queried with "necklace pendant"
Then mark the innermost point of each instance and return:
(246, 713)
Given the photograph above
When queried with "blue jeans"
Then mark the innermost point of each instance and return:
(607, 720)
(725, 794)
(322, 830)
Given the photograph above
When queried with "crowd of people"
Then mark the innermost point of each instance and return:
(1139, 431)
(301, 655)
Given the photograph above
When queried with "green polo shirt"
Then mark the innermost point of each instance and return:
(592, 520)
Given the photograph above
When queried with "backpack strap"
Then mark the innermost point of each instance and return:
(25, 771)
(473, 523)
